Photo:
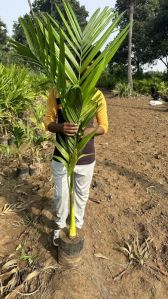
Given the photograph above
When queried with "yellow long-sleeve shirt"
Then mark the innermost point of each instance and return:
(52, 109)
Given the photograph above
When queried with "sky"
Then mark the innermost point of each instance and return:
(11, 10)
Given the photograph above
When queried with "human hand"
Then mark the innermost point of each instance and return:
(68, 129)
(88, 131)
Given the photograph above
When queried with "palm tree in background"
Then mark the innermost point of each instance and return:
(30, 5)
(68, 60)
(52, 7)
(131, 16)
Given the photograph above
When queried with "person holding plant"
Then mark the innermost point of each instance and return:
(67, 58)
(83, 172)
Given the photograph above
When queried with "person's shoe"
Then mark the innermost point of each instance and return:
(156, 103)
(56, 237)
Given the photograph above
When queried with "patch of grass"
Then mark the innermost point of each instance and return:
(27, 257)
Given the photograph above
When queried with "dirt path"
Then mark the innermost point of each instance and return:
(128, 196)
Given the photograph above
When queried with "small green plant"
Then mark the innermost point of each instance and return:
(37, 114)
(35, 130)
(122, 90)
(34, 137)
(24, 256)
(163, 88)
(5, 150)
(37, 140)
(18, 135)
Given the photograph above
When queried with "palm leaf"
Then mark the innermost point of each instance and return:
(100, 24)
(107, 54)
(29, 26)
(69, 29)
(99, 44)
(56, 34)
(71, 144)
(91, 81)
(62, 142)
(68, 68)
(95, 20)
(81, 145)
(53, 61)
(73, 20)
(69, 41)
(25, 53)
(62, 161)
(61, 82)
(62, 151)
(40, 38)
(114, 45)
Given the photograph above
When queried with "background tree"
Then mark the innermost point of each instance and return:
(49, 6)
(3, 33)
(131, 16)
(3, 41)
(52, 7)
(30, 5)
(157, 31)
(144, 14)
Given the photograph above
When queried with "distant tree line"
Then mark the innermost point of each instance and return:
(149, 40)
(150, 33)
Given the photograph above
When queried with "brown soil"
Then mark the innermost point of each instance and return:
(129, 195)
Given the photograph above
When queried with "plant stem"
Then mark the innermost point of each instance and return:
(19, 157)
(72, 227)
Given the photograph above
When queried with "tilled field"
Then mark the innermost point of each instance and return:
(126, 220)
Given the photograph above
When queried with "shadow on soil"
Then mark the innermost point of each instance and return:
(145, 181)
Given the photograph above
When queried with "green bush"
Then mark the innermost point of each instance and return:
(123, 90)
(106, 80)
(15, 89)
(22, 109)
(163, 88)
(143, 83)
(143, 86)
(39, 84)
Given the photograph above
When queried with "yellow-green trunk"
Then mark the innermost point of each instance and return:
(72, 227)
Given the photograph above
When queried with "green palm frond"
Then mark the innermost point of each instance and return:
(18, 133)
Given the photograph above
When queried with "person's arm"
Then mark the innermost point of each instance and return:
(51, 111)
(101, 117)
(98, 131)
(68, 129)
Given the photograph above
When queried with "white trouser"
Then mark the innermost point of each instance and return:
(82, 180)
